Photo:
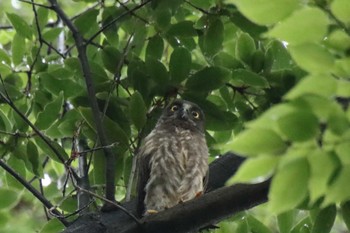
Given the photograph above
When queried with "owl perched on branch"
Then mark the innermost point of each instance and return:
(173, 159)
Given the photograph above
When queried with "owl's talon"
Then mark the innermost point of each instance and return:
(199, 194)
(151, 212)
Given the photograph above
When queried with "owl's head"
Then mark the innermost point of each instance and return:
(184, 114)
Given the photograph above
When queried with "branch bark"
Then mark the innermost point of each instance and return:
(81, 47)
(219, 203)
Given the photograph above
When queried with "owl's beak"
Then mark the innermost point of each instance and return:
(184, 114)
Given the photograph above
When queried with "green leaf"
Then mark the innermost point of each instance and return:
(4, 57)
(18, 49)
(266, 12)
(99, 171)
(245, 48)
(345, 211)
(325, 220)
(322, 167)
(308, 24)
(111, 58)
(48, 151)
(9, 198)
(70, 204)
(16, 162)
(339, 191)
(342, 151)
(257, 226)
(286, 220)
(180, 64)
(53, 226)
(255, 169)
(33, 157)
(341, 10)
(20, 25)
(312, 57)
(292, 177)
(279, 57)
(212, 39)
(5, 123)
(257, 141)
(249, 78)
(182, 29)
(155, 47)
(51, 34)
(50, 113)
(114, 132)
(322, 84)
(338, 122)
(207, 79)
(138, 110)
(299, 125)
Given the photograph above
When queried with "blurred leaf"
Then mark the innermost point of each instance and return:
(50, 113)
(341, 10)
(211, 41)
(138, 110)
(48, 151)
(342, 151)
(286, 220)
(111, 57)
(345, 211)
(9, 198)
(249, 78)
(53, 226)
(155, 47)
(208, 79)
(18, 49)
(70, 204)
(293, 177)
(20, 25)
(312, 29)
(299, 125)
(5, 123)
(33, 157)
(180, 64)
(245, 47)
(325, 220)
(18, 165)
(312, 57)
(256, 11)
(257, 141)
(257, 226)
(338, 191)
(322, 167)
(322, 84)
(51, 34)
(278, 56)
(255, 170)
(182, 29)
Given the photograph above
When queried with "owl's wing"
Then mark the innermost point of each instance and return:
(143, 176)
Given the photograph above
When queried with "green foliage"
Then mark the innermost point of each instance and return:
(272, 77)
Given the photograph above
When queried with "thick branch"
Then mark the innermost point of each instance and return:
(190, 216)
(81, 47)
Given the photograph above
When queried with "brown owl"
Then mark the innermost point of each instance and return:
(173, 159)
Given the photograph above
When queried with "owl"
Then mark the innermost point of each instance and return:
(173, 159)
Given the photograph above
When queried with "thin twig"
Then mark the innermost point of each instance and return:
(31, 189)
(116, 19)
(132, 13)
(112, 203)
(198, 8)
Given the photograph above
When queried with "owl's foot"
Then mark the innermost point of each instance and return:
(199, 194)
(151, 212)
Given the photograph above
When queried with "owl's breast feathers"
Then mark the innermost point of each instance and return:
(176, 164)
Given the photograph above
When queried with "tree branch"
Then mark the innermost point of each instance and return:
(35, 192)
(218, 203)
(81, 47)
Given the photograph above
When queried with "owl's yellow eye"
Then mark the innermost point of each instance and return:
(174, 108)
(195, 114)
